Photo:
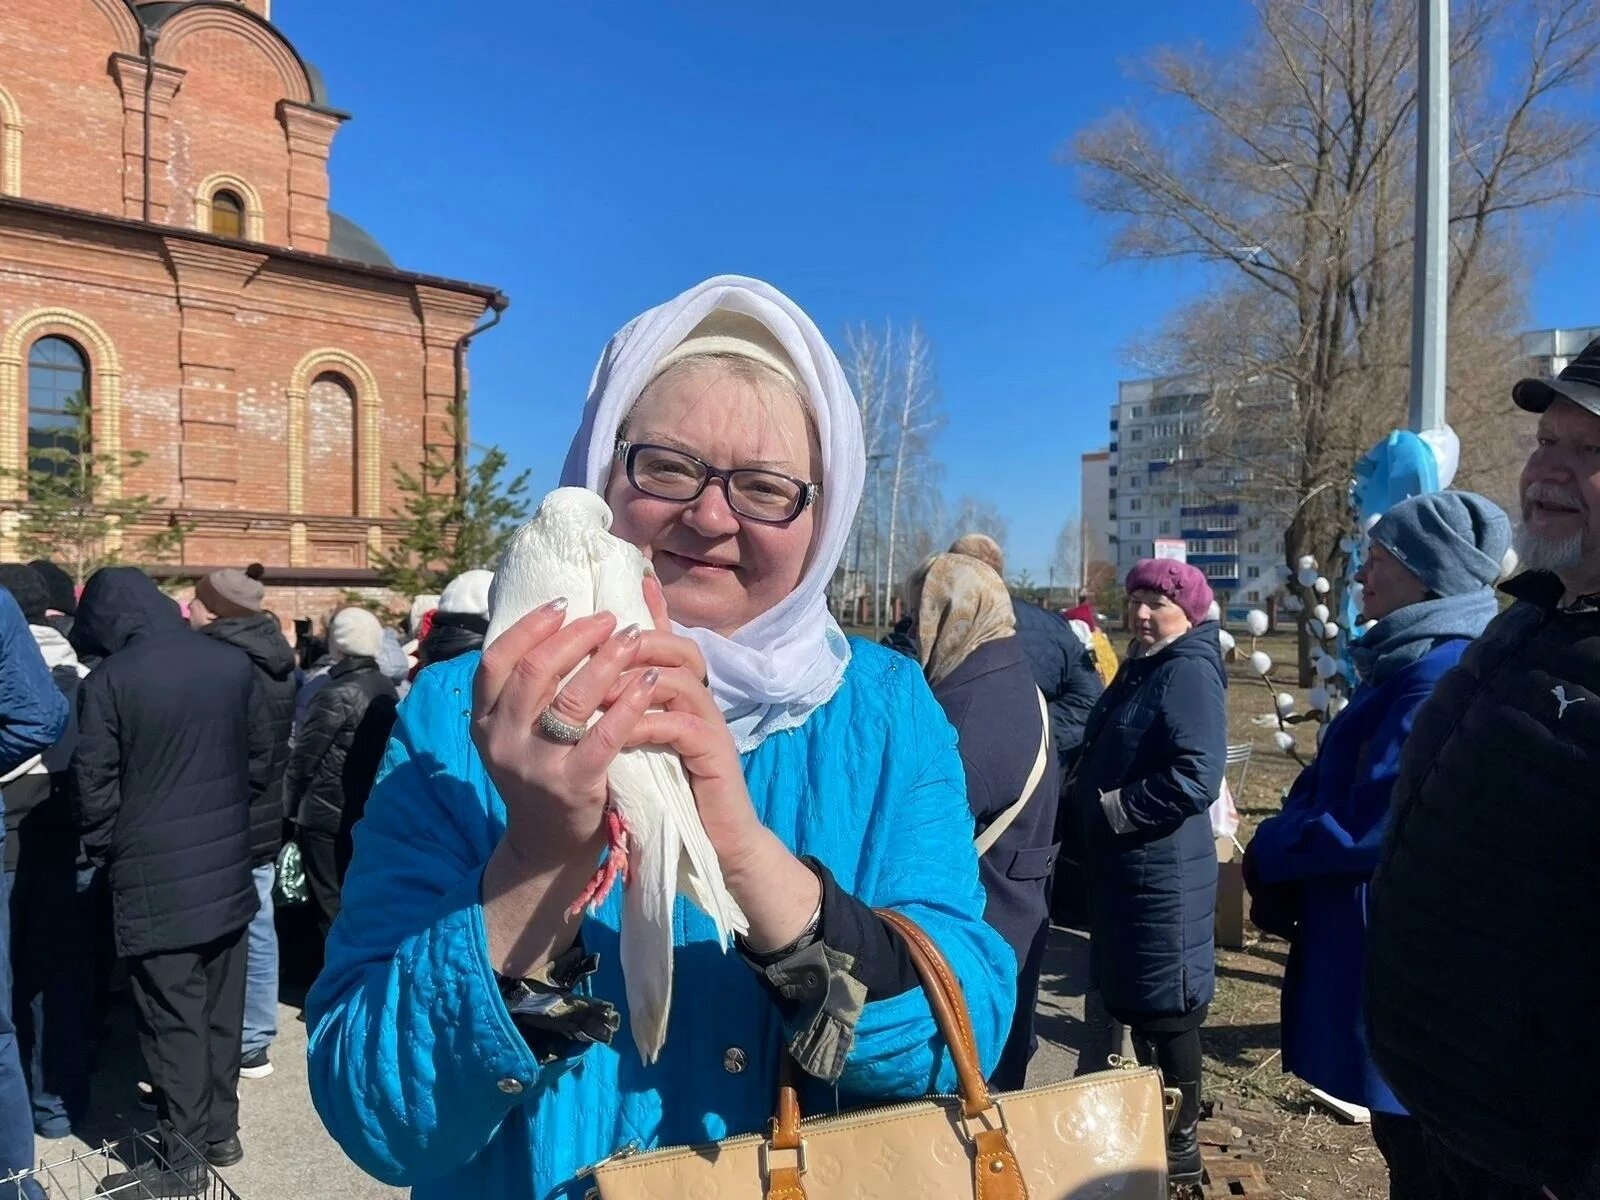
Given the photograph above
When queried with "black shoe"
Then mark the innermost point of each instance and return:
(225, 1153)
(255, 1065)
(153, 1179)
(1183, 1156)
(1183, 1143)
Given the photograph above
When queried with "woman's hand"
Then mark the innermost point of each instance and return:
(777, 892)
(555, 794)
(690, 724)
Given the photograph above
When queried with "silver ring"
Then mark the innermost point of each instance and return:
(557, 730)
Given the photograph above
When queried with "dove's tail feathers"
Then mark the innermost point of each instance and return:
(712, 897)
(699, 872)
(647, 940)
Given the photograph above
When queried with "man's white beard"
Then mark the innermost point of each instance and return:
(1537, 553)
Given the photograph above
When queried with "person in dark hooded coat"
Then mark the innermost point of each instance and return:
(161, 778)
(1150, 767)
(62, 594)
(228, 606)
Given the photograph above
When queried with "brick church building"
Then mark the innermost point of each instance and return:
(167, 251)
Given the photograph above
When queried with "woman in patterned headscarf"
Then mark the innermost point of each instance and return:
(974, 661)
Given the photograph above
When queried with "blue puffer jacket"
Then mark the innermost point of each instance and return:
(1327, 840)
(415, 1066)
(1159, 735)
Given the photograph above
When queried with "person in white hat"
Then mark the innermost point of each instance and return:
(314, 785)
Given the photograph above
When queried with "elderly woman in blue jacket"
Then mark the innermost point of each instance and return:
(721, 431)
(1150, 767)
(1427, 584)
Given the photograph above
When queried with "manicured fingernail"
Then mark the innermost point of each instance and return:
(630, 634)
(559, 604)
(650, 677)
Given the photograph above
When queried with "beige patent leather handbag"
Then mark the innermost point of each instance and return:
(1098, 1136)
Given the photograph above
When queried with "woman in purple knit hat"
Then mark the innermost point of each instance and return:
(1150, 767)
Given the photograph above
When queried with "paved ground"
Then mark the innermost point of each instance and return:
(288, 1156)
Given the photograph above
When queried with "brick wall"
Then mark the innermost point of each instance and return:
(205, 353)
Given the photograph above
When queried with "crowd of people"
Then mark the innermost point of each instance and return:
(155, 756)
(1434, 869)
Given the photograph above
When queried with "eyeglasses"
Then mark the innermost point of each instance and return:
(757, 495)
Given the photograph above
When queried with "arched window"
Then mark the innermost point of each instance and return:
(227, 214)
(331, 435)
(58, 405)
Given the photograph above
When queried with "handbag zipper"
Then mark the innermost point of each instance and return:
(1120, 1066)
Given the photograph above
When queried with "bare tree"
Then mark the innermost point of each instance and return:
(1066, 563)
(977, 514)
(893, 376)
(1287, 164)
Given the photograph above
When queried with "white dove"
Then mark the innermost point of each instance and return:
(657, 843)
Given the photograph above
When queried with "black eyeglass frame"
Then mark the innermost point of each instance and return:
(628, 451)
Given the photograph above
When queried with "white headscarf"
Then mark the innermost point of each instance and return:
(770, 674)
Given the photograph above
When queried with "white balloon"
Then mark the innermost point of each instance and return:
(1336, 705)
(1308, 576)
(1321, 586)
(1307, 563)
(1327, 667)
(1320, 612)
(1285, 702)
(1261, 661)
(1315, 626)
(1284, 740)
(1226, 639)
(1330, 630)
(1317, 697)
(1256, 621)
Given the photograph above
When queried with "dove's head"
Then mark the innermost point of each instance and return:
(575, 510)
(719, 567)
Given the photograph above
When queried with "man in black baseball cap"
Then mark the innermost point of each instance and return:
(1483, 947)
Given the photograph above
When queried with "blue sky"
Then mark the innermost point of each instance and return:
(891, 159)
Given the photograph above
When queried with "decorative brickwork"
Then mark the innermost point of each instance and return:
(204, 351)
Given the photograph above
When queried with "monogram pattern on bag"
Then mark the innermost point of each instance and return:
(1105, 1125)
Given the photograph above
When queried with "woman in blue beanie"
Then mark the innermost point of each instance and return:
(1427, 584)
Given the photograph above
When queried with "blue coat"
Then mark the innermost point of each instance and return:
(1063, 669)
(33, 712)
(1327, 840)
(415, 1066)
(1159, 735)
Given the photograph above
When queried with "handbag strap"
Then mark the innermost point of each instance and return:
(992, 831)
(996, 1173)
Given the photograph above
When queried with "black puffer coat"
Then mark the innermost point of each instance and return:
(314, 786)
(259, 637)
(1063, 669)
(161, 771)
(1484, 916)
(1159, 737)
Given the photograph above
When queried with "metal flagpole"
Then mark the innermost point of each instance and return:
(1432, 266)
